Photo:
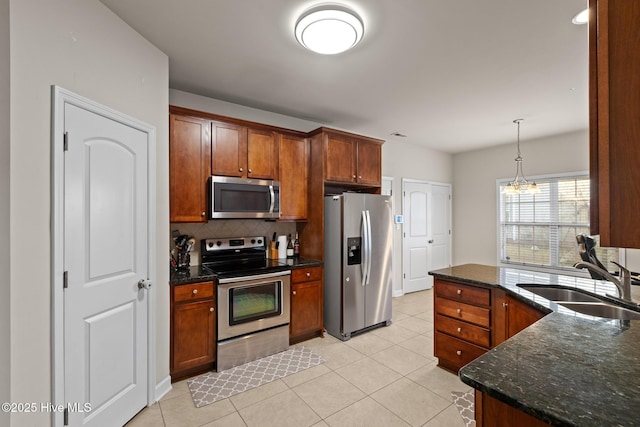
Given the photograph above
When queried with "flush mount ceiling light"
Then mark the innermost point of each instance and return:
(520, 183)
(581, 18)
(329, 29)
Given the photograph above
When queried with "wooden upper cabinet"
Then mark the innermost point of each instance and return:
(189, 168)
(340, 159)
(294, 174)
(614, 127)
(262, 154)
(243, 152)
(228, 149)
(369, 156)
(353, 160)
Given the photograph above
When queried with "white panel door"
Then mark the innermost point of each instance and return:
(105, 256)
(416, 236)
(440, 219)
(427, 232)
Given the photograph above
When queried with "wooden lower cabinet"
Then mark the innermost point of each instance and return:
(193, 329)
(307, 309)
(470, 319)
(462, 323)
(490, 412)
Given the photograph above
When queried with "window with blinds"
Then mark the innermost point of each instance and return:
(540, 230)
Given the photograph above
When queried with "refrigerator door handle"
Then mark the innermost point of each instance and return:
(369, 254)
(364, 259)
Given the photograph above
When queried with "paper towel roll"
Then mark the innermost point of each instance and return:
(282, 246)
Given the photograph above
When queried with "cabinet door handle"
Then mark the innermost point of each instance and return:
(249, 170)
(459, 330)
(294, 292)
(459, 352)
(505, 305)
(359, 176)
(195, 291)
(459, 291)
(240, 169)
(203, 214)
(458, 310)
(212, 309)
(354, 177)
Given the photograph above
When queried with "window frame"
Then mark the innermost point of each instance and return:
(537, 267)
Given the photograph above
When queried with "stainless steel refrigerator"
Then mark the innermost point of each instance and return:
(357, 263)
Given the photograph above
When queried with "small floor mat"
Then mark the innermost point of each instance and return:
(213, 386)
(465, 403)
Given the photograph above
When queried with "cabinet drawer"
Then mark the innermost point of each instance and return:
(461, 311)
(306, 274)
(464, 293)
(192, 292)
(463, 330)
(455, 353)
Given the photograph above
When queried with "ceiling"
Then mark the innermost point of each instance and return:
(452, 75)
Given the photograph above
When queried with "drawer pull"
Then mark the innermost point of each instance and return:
(459, 330)
(294, 292)
(458, 310)
(459, 291)
(211, 309)
(459, 352)
(195, 291)
(308, 274)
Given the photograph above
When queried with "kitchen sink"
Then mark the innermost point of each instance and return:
(601, 309)
(582, 301)
(554, 293)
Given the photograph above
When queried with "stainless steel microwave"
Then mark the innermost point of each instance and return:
(243, 198)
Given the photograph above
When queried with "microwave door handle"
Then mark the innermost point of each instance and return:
(273, 199)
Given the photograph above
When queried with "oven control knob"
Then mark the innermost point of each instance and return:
(210, 244)
(259, 241)
(253, 241)
(219, 243)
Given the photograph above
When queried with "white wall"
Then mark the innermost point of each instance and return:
(475, 174)
(474, 199)
(402, 160)
(5, 314)
(81, 46)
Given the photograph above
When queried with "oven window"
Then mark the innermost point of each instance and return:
(254, 302)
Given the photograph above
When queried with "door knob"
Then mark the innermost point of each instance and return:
(144, 284)
(430, 241)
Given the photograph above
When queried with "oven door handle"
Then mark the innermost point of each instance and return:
(254, 277)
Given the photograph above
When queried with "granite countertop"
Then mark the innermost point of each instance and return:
(197, 273)
(567, 369)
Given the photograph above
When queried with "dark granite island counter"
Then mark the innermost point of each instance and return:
(566, 369)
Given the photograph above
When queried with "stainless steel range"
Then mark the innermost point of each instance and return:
(253, 299)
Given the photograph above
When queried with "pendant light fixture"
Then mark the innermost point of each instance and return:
(329, 29)
(520, 183)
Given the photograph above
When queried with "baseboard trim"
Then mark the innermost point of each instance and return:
(163, 387)
(398, 293)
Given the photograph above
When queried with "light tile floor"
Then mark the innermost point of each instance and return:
(385, 377)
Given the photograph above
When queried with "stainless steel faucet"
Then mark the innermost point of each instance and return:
(623, 283)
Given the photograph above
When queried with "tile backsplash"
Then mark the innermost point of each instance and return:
(230, 228)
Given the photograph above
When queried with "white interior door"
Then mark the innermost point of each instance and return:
(440, 218)
(427, 232)
(416, 200)
(105, 256)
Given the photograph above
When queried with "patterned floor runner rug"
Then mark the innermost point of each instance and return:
(465, 403)
(213, 386)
